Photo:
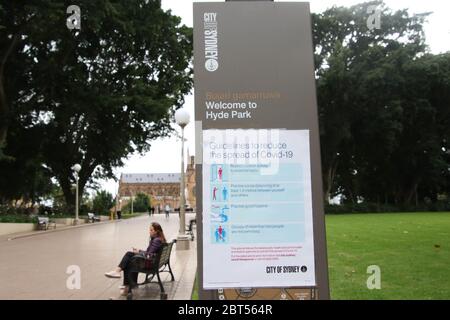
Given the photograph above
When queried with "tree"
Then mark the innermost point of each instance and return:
(141, 203)
(399, 136)
(357, 77)
(97, 94)
(102, 202)
(23, 177)
(422, 157)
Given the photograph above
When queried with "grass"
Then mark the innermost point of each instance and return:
(129, 215)
(411, 249)
(194, 295)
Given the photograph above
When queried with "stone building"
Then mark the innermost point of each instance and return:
(162, 188)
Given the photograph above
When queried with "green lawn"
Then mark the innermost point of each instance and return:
(194, 295)
(411, 249)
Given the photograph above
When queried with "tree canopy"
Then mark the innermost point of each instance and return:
(383, 107)
(102, 202)
(90, 96)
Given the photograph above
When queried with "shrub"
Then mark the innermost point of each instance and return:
(141, 203)
(18, 218)
(102, 202)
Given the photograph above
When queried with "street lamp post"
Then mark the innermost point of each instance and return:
(132, 211)
(76, 169)
(182, 119)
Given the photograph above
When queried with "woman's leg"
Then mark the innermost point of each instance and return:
(122, 266)
(125, 260)
(126, 275)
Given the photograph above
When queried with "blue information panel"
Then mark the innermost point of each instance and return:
(257, 218)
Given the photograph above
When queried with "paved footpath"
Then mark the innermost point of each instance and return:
(34, 267)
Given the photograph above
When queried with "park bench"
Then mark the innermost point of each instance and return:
(151, 267)
(92, 218)
(190, 228)
(44, 223)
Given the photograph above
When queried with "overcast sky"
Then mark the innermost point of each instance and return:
(165, 154)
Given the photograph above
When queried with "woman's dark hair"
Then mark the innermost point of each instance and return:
(159, 232)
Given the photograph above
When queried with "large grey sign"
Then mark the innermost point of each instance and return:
(254, 69)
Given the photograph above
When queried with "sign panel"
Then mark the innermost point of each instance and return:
(258, 176)
(257, 209)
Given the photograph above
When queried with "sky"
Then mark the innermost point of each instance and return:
(165, 154)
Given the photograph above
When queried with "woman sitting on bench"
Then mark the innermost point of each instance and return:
(157, 238)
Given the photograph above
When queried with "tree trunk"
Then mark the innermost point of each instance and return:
(417, 198)
(4, 108)
(327, 186)
(412, 191)
(69, 194)
(329, 179)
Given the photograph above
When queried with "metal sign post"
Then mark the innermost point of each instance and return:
(259, 183)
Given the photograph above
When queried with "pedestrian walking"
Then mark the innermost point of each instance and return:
(167, 211)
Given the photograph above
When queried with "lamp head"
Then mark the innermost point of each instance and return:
(76, 167)
(182, 117)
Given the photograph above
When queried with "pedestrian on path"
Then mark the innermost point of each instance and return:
(157, 238)
(167, 211)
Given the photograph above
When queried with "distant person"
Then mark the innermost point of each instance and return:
(149, 209)
(119, 214)
(157, 238)
(167, 211)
